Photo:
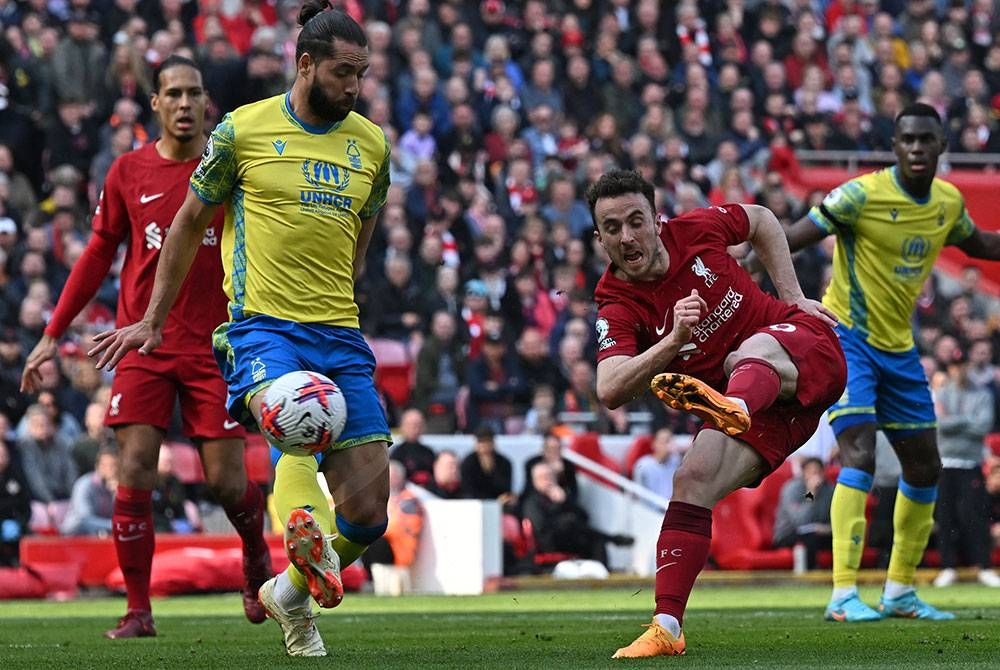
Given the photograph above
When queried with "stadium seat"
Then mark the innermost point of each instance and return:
(640, 447)
(588, 445)
(394, 369)
(993, 442)
(542, 559)
(187, 463)
(258, 460)
(738, 541)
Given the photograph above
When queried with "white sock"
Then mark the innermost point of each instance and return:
(670, 623)
(843, 592)
(739, 401)
(287, 595)
(895, 589)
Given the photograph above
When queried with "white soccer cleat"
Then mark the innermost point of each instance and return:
(989, 578)
(298, 625)
(946, 577)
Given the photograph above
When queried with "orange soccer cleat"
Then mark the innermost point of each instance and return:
(695, 396)
(655, 641)
(310, 551)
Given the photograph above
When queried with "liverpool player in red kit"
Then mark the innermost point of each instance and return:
(143, 190)
(678, 313)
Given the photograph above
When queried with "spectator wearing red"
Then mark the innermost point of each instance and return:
(805, 51)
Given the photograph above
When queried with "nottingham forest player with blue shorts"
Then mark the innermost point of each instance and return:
(890, 227)
(302, 178)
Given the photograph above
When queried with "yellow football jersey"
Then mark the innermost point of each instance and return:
(887, 243)
(295, 196)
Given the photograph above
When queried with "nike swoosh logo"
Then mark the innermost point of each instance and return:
(667, 565)
(130, 538)
(143, 199)
(229, 425)
(663, 328)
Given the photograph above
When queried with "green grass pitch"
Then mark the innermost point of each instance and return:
(726, 627)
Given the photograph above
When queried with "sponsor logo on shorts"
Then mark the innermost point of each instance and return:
(229, 424)
(115, 402)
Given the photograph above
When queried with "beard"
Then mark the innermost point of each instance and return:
(325, 107)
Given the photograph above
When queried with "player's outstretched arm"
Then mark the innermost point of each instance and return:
(184, 237)
(981, 244)
(768, 239)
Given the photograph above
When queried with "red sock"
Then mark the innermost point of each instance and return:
(132, 519)
(247, 517)
(681, 552)
(755, 382)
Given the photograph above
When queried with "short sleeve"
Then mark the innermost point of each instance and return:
(840, 209)
(380, 188)
(962, 228)
(111, 218)
(215, 176)
(616, 332)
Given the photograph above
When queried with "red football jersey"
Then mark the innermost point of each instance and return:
(142, 193)
(633, 316)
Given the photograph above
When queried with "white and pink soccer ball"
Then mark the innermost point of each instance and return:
(303, 413)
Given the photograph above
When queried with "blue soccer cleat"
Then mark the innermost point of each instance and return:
(909, 606)
(850, 610)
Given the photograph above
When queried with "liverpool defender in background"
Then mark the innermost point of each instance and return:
(143, 191)
(764, 370)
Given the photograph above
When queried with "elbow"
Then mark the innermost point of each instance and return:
(609, 396)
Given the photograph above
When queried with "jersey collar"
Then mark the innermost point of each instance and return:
(895, 178)
(308, 127)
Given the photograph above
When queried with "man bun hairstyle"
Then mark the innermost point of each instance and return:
(620, 182)
(173, 60)
(321, 26)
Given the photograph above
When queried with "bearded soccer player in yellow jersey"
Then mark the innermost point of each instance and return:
(302, 178)
(890, 227)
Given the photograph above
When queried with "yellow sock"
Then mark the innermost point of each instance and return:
(847, 520)
(347, 550)
(295, 486)
(911, 526)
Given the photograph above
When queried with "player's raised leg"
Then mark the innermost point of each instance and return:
(286, 597)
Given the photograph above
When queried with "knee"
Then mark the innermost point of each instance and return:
(924, 472)
(227, 488)
(692, 484)
(858, 458)
(137, 469)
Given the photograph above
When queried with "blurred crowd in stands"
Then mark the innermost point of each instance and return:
(500, 114)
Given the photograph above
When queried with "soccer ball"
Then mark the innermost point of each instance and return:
(303, 413)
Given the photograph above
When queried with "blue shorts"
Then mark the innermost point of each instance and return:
(889, 388)
(254, 352)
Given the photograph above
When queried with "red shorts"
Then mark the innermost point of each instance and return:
(786, 425)
(145, 389)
